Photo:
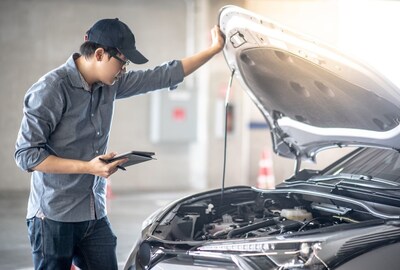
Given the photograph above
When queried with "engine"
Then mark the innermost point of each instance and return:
(249, 215)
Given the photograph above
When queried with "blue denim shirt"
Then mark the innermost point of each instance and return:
(61, 118)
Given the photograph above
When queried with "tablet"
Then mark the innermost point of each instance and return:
(134, 157)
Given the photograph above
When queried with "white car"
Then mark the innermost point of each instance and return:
(346, 216)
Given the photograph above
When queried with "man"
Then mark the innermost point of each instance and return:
(63, 141)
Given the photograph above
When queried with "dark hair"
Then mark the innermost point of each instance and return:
(88, 48)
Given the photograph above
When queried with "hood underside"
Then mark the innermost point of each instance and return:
(312, 96)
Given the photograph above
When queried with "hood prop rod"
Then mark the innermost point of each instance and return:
(297, 165)
(226, 133)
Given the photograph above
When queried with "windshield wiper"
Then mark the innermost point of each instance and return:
(357, 180)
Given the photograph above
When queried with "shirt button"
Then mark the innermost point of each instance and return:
(98, 133)
(92, 114)
(97, 152)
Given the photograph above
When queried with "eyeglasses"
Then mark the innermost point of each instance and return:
(123, 62)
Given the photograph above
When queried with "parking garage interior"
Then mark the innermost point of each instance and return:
(185, 127)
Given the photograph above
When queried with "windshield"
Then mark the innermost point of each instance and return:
(377, 163)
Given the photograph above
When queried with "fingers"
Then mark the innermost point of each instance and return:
(218, 38)
(118, 162)
(215, 32)
(103, 168)
(108, 155)
(108, 170)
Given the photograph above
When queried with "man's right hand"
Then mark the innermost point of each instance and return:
(104, 169)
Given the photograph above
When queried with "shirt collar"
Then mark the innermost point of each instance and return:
(76, 77)
(84, 83)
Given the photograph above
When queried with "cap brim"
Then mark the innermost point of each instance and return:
(135, 56)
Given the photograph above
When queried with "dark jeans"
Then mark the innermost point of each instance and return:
(89, 244)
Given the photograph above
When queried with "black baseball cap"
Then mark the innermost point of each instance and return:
(116, 34)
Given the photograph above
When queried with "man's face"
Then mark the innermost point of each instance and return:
(112, 67)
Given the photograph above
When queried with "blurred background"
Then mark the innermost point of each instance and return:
(185, 127)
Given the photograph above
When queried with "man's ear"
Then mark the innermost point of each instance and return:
(99, 54)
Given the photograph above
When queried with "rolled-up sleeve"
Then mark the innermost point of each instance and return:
(167, 75)
(42, 110)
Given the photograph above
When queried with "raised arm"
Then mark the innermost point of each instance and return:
(195, 61)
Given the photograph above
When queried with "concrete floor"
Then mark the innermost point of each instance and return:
(126, 213)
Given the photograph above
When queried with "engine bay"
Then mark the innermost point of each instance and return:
(252, 213)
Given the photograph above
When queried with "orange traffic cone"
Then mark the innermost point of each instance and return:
(109, 193)
(265, 179)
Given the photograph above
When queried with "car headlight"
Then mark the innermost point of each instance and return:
(285, 255)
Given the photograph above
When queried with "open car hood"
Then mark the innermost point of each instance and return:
(312, 96)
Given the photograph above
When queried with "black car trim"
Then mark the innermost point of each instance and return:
(339, 198)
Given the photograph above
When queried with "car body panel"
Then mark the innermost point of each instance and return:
(312, 96)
